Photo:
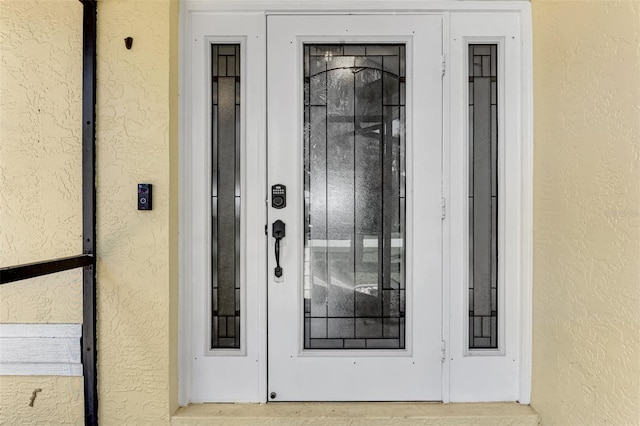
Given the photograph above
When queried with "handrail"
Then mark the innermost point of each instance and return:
(89, 342)
(10, 274)
(87, 260)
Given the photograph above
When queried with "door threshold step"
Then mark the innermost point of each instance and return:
(357, 413)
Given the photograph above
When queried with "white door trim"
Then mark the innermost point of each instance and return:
(522, 269)
(508, 367)
(355, 6)
(243, 369)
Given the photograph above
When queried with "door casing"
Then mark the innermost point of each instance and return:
(465, 373)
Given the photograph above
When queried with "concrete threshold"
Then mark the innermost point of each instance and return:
(357, 413)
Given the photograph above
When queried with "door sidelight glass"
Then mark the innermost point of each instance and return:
(225, 196)
(483, 196)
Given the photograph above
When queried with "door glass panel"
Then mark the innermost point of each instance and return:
(483, 196)
(225, 196)
(354, 192)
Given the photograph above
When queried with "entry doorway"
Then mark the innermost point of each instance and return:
(325, 209)
(354, 135)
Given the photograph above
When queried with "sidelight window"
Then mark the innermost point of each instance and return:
(483, 196)
(225, 196)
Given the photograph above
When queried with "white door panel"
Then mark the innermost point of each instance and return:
(399, 353)
(224, 373)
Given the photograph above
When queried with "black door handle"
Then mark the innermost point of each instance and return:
(278, 232)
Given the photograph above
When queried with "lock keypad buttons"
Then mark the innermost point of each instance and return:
(278, 196)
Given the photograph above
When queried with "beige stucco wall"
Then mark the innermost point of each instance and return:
(40, 154)
(58, 400)
(586, 204)
(40, 184)
(137, 266)
(40, 199)
(586, 357)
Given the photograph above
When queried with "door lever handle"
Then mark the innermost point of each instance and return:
(278, 232)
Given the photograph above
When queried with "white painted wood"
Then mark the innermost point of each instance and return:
(40, 349)
(358, 6)
(479, 371)
(446, 130)
(40, 330)
(526, 210)
(341, 375)
(489, 375)
(40, 369)
(223, 375)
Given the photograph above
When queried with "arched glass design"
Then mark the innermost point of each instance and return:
(354, 196)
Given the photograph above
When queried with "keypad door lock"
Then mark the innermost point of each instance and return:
(278, 196)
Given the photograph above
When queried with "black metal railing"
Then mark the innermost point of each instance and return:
(87, 260)
(89, 352)
(36, 269)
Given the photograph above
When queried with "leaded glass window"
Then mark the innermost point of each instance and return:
(483, 196)
(225, 196)
(354, 192)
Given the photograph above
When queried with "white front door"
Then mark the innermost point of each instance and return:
(355, 135)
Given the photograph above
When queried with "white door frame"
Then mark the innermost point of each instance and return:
(244, 368)
(464, 22)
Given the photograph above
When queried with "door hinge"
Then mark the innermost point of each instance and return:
(266, 230)
(443, 351)
(444, 65)
(444, 208)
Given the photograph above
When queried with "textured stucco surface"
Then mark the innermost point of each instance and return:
(58, 400)
(586, 341)
(40, 188)
(137, 263)
(586, 206)
(40, 154)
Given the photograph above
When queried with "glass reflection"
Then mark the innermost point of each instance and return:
(354, 196)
